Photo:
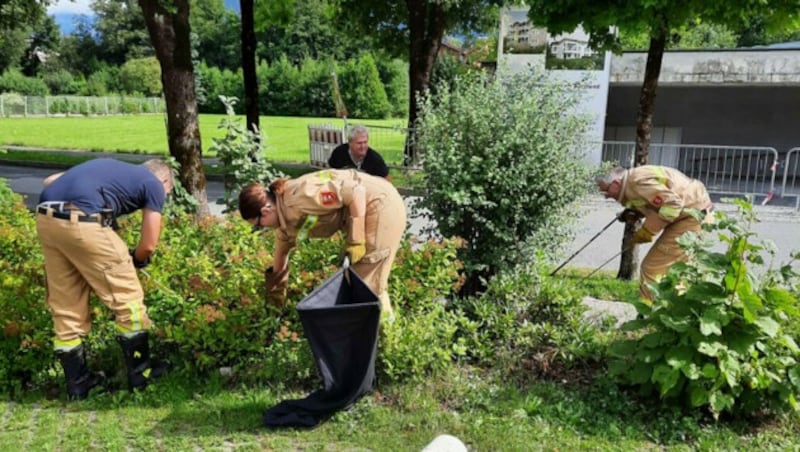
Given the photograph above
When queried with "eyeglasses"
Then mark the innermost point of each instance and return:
(257, 225)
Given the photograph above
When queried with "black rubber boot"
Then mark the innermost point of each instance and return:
(79, 379)
(141, 369)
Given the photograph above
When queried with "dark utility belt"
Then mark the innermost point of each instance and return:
(67, 215)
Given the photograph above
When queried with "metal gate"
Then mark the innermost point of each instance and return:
(735, 170)
(322, 139)
(790, 186)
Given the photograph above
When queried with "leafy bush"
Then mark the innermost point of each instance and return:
(362, 90)
(13, 80)
(503, 166)
(216, 83)
(315, 96)
(204, 292)
(141, 75)
(241, 156)
(284, 85)
(527, 324)
(26, 348)
(716, 335)
(62, 82)
(394, 76)
(422, 340)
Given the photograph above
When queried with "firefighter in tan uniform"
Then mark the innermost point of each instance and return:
(367, 208)
(661, 195)
(82, 253)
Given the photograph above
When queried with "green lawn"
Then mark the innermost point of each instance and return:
(488, 415)
(286, 137)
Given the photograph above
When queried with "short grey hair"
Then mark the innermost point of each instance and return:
(357, 130)
(161, 169)
(616, 173)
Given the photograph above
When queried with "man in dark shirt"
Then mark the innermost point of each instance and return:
(83, 253)
(357, 154)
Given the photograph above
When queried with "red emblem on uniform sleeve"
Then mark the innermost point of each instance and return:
(657, 201)
(328, 198)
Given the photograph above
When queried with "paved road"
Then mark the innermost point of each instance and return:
(780, 224)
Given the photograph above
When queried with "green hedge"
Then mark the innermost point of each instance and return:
(204, 294)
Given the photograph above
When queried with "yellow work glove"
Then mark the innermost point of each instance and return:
(355, 251)
(642, 235)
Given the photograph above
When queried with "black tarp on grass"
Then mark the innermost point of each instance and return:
(340, 320)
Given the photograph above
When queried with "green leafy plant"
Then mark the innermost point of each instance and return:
(26, 345)
(502, 161)
(527, 324)
(204, 293)
(241, 157)
(716, 333)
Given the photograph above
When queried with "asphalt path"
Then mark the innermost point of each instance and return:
(779, 224)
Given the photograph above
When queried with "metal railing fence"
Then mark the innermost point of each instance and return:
(15, 105)
(791, 173)
(322, 139)
(723, 169)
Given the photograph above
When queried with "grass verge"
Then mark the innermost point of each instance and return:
(483, 412)
(286, 138)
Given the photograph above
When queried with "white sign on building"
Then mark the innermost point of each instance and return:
(567, 57)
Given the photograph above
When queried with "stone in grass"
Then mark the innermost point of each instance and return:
(597, 311)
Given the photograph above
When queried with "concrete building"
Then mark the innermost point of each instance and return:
(723, 99)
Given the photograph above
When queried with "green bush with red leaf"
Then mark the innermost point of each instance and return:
(204, 293)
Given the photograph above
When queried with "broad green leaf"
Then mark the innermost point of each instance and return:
(633, 325)
(705, 291)
(623, 348)
(794, 376)
(698, 395)
(656, 339)
(678, 357)
(666, 377)
(649, 355)
(788, 342)
(618, 367)
(720, 402)
(713, 262)
(710, 371)
(741, 342)
(709, 325)
(768, 325)
(781, 298)
(730, 369)
(678, 324)
(711, 348)
(640, 373)
(691, 371)
(751, 303)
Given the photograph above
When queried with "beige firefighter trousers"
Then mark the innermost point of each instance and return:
(83, 256)
(385, 223)
(666, 251)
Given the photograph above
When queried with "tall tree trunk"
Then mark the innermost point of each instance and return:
(169, 33)
(629, 264)
(249, 65)
(426, 27)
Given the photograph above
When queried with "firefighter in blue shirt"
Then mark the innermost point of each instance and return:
(83, 253)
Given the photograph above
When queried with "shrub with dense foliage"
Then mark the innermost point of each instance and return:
(241, 156)
(529, 325)
(141, 75)
(717, 336)
(204, 292)
(503, 166)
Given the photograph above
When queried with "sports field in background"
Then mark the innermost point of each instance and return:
(286, 137)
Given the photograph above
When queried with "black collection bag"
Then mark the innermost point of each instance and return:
(340, 319)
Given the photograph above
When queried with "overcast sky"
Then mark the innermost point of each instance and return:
(70, 7)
